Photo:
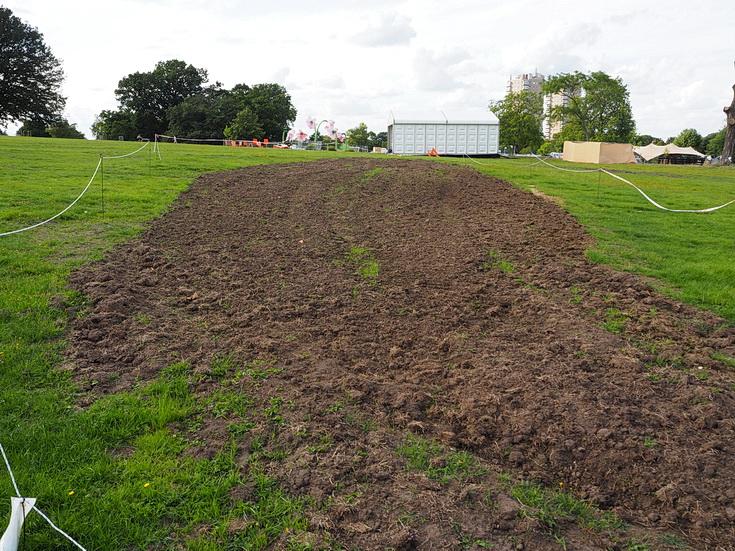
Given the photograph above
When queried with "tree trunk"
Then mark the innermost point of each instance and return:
(728, 151)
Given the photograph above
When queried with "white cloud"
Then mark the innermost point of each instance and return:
(390, 29)
(354, 61)
(437, 71)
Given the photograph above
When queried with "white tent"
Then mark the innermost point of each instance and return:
(652, 151)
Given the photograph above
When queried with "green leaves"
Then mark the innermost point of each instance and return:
(596, 105)
(30, 75)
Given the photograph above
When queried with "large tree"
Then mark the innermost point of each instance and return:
(149, 96)
(205, 115)
(271, 103)
(596, 105)
(245, 126)
(111, 125)
(30, 75)
(712, 143)
(520, 115)
(689, 137)
(359, 136)
(63, 129)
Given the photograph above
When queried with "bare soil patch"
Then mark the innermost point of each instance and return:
(485, 329)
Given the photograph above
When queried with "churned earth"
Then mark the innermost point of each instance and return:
(425, 350)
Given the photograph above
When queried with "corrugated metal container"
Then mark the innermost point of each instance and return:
(455, 134)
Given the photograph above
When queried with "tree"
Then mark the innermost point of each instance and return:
(149, 96)
(712, 144)
(245, 126)
(205, 115)
(62, 129)
(30, 75)
(110, 125)
(689, 138)
(34, 127)
(520, 115)
(595, 104)
(379, 140)
(728, 149)
(645, 139)
(358, 136)
(271, 103)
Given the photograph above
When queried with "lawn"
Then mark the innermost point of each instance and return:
(59, 451)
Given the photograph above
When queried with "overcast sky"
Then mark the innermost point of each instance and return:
(356, 61)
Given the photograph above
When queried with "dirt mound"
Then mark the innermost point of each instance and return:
(370, 306)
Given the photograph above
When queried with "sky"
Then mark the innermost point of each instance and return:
(357, 61)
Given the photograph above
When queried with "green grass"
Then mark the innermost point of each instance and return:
(690, 254)
(438, 462)
(146, 491)
(114, 475)
(365, 263)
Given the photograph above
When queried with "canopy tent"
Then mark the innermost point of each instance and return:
(651, 151)
(598, 152)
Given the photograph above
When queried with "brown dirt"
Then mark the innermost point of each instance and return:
(483, 331)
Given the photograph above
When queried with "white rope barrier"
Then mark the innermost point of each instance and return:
(10, 471)
(654, 203)
(96, 170)
(63, 211)
(128, 154)
(711, 209)
(176, 139)
(17, 491)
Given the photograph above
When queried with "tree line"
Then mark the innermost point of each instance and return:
(591, 107)
(174, 99)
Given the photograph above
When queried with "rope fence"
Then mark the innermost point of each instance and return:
(94, 175)
(603, 171)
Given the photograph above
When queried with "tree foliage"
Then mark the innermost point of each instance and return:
(110, 125)
(712, 144)
(173, 100)
(245, 126)
(145, 100)
(359, 136)
(30, 75)
(35, 127)
(204, 115)
(521, 116)
(689, 137)
(597, 106)
(271, 104)
(646, 139)
(62, 129)
(150, 95)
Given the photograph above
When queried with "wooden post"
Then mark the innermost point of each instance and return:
(728, 151)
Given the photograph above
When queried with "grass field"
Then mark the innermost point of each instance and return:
(691, 255)
(60, 452)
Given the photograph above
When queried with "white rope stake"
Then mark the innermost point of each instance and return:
(29, 503)
(19, 509)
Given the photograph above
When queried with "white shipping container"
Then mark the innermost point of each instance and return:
(476, 134)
